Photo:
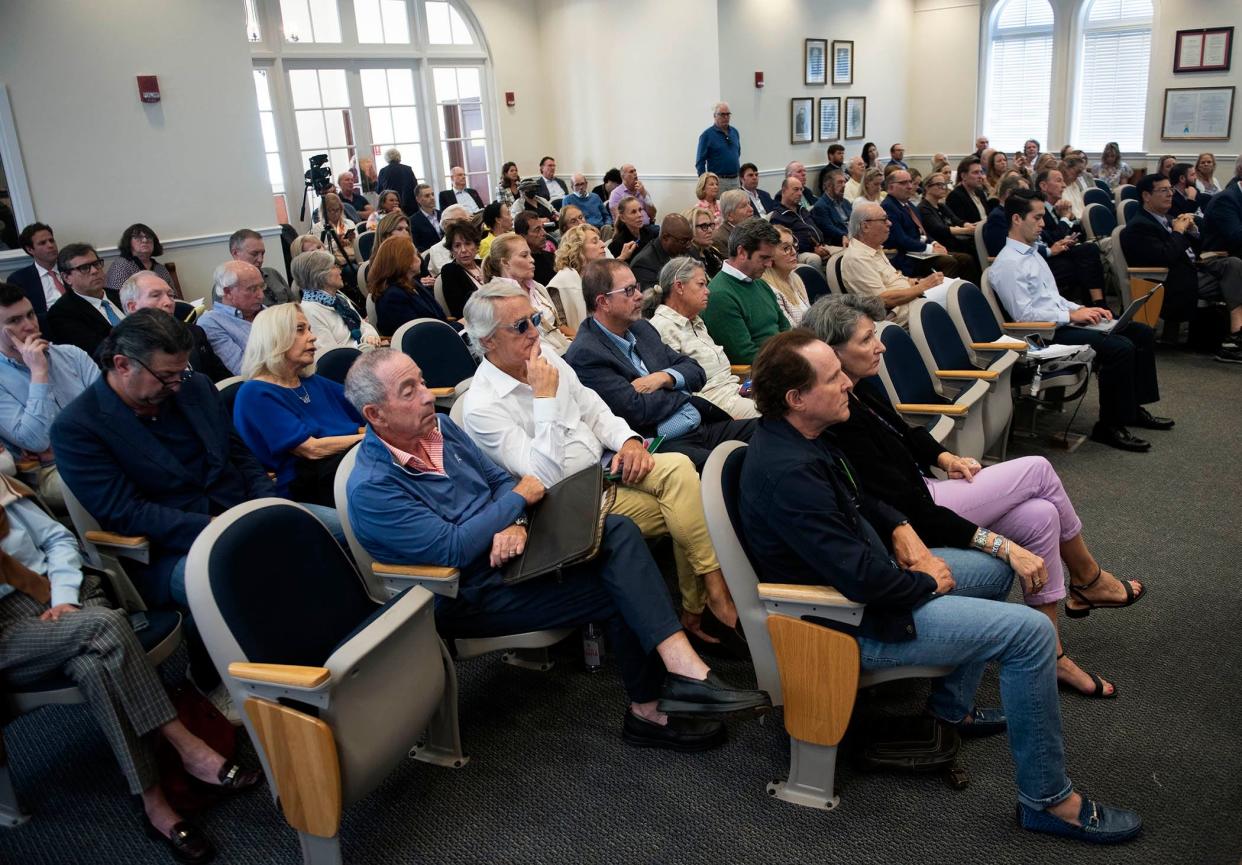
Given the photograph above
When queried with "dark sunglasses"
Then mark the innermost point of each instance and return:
(524, 324)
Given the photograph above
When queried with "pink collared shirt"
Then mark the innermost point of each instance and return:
(430, 460)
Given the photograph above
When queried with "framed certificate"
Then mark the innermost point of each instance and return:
(1206, 50)
(1197, 114)
(829, 118)
(842, 62)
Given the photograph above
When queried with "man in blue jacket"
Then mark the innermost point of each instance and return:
(422, 492)
(909, 236)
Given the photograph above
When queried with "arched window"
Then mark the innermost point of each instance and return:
(1110, 94)
(1019, 73)
(353, 78)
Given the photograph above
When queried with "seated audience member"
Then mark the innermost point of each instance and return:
(40, 279)
(1165, 165)
(1222, 223)
(1020, 501)
(350, 213)
(237, 289)
(395, 224)
(803, 521)
(1205, 174)
(462, 276)
(339, 236)
(1030, 149)
(304, 243)
(1026, 287)
(866, 270)
(507, 189)
(1237, 173)
(298, 424)
(1111, 168)
(631, 234)
(798, 171)
(1186, 198)
(37, 380)
(896, 155)
(497, 220)
(529, 201)
(1077, 267)
(247, 245)
(789, 213)
(678, 319)
(940, 164)
(137, 249)
(631, 187)
(334, 318)
(549, 187)
(735, 208)
(702, 239)
(397, 292)
(620, 356)
(872, 189)
(145, 290)
(1074, 173)
(856, 171)
(568, 218)
(708, 192)
(527, 411)
(674, 240)
(831, 213)
(782, 277)
(580, 246)
(56, 620)
(588, 202)
(742, 310)
(460, 193)
(1151, 239)
(995, 164)
(996, 228)
(439, 254)
(968, 199)
(86, 312)
(425, 221)
(351, 196)
(406, 508)
(389, 202)
(944, 226)
(610, 181)
(907, 233)
(510, 258)
(760, 202)
(529, 227)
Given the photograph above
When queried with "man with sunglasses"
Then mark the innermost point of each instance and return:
(85, 313)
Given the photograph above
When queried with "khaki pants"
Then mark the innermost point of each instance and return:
(668, 502)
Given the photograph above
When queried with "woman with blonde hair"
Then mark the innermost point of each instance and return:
(708, 191)
(703, 227)
(871, 192)
(510, 257)
(339, 236)
(1110, 168)
(335, 319)
(298, 424)
(580, 246)
(1205, 174)
(392, 281)
(782, 277)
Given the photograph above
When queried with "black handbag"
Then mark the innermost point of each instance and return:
(565, 528)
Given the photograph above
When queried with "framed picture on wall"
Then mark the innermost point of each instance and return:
(815, 59)
(829, 118)
(1203, 50)
(842, 62)
(1197, 114)
(801, 120)
(855, 117)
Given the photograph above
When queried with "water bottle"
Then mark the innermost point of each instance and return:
(592, 648)
(1035, 382)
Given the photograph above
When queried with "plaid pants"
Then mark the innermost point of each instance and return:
(96, 648)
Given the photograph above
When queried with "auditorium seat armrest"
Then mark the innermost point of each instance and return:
(931, 408)
(1030, 325)
(739, 368)
(437, 579)
(1001, 345)
(307, 678)
(1146, 272)
(120, 542)
(982, 374)
(441, 391)
(803, 594)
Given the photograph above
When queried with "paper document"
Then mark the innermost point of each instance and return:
(940, 293)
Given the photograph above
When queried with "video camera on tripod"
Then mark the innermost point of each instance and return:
(318, 178)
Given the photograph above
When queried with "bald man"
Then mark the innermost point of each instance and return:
(720, 148)
(631, 185)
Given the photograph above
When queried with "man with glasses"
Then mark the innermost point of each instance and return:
(674, 240)
(742, 312)
(720, 148)
(620, 356)
(591, 205)
(866, 270)
(37, 380)
(85, 314)
(237, 289)
(918, 254)
(831, 213)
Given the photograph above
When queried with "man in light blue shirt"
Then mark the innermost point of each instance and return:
(238, 293)
(588, 202)
(1026, 287)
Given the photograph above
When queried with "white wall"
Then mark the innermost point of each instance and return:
(512, 33)
(97, 159)
(942, 106)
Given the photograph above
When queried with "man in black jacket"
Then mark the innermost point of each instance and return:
(804, 520)
(85, 313)
(1151, 239)
(399, 178)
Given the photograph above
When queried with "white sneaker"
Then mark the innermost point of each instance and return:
(223, 701)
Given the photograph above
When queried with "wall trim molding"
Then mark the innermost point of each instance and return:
(13, 259)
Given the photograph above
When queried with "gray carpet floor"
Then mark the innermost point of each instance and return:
(551, 782)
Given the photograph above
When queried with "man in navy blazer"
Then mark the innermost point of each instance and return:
(40, 280)
(908, 235)
(399, 178)
(762, 202)
(1222, 222)
(87, 311)
(831, 213)
(425, 228)
(621, 357)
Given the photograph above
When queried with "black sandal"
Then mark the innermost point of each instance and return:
(1097, 692)
(1080, 595)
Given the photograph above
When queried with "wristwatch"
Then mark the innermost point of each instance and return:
(522, 521)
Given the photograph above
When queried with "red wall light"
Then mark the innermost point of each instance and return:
(758, 79)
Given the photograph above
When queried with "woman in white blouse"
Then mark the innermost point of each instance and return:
(580, 245)
(334, 320)
(511, 258)
(784, 281)
(683, 284)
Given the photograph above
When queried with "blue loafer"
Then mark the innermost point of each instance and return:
(1101, 824)
(983, 722)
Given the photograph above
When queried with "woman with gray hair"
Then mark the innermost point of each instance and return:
(1003, 509)
(683, 286)
(332, 316)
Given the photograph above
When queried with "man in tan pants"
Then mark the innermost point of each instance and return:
(529, 412)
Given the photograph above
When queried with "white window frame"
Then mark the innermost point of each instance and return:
(988, 26)
(1081, 28)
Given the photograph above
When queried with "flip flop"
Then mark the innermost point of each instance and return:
(1080, 595)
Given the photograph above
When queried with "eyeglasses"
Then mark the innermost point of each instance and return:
(724, 113)
(141, 237)
(629, 290)
(704, 226)
(97, 264)
(878, 219)
(787, 247)
(934, 185)
(168, 381)
(521, 326)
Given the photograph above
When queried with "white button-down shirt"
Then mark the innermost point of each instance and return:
(548, 438)
(98, 303)
(1025, 285)
(51, 293)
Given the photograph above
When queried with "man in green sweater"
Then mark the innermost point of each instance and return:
(741, 310)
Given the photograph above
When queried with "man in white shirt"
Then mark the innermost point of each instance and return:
(528, 411)
(551, 188)
(460, 193)
(853, 186)
(1026, 287)
(866, 270)
(39, 280)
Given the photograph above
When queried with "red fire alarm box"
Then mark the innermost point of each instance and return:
(148, 88)
(510, 98)
(758, 79)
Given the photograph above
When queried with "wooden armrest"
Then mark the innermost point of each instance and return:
(931, 408)
(739, 368)
(983, 374)
(1030, 325)
(280, 674)
(442, 391)
(1002, 345)
(802, 594)
(27, 465)
(112, 539)
(423, 572)
(1148, 271)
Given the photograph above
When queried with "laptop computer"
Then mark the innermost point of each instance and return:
(1126, 317)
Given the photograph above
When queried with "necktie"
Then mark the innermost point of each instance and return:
(60, 286)
(113, 318)
(914, 214)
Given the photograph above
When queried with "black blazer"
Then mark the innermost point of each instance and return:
(622, 236)
(546, 195)
(74, 320)
(1147, 243)
(457, 286)
(601, 366)
(27, 279)
(399, 178)
(959, 202)
(129, 481)
(448, 198)
(424, 233)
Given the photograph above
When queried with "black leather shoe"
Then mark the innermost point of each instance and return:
(1119, 437)
(235, 779)
(711, 698)
(688, 735)
(187, 842)
(732, 641)
(1147, 420)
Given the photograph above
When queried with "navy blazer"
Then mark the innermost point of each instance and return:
(133, 485)
(603, 367)
(768, 201)
(27, 279)
(73, 320)
(401, 180)
(826, 219)
(903, 234)
(1222, 222)
(995, 231)
(546, 195)
(396, 306)
(1147, 243)
(448, 197)
(423, 232)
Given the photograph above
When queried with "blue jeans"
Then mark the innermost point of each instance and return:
(965, 630)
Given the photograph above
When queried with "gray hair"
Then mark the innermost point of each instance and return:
(133, 285)
(363, 386)
(392, 154)
(678, 269)
(240, 236)
(752, 234)
(225, 276)
(860, 213)
(732, 199)
(789, 168)
(453, 212)
(309, 268)
(834, 317)
(480, 310)
(143, 333)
